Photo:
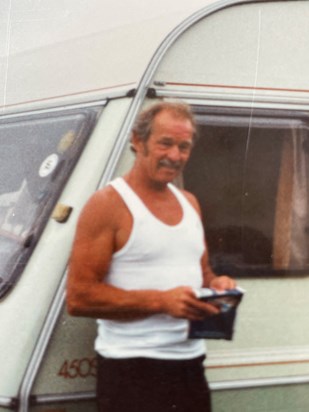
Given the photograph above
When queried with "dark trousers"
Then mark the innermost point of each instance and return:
(151, 385)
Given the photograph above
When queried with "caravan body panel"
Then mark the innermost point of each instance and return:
(242, 65)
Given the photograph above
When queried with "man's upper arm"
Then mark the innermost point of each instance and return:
(93, 244)
(208, 274)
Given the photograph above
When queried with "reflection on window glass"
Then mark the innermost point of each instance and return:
(250, 174)
(37, 154)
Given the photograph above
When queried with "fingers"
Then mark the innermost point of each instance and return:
(196, 314)
(203, 309)
(223, 283)
(183, 303)
(195, 311)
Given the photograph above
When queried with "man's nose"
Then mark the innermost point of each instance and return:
(174, 153)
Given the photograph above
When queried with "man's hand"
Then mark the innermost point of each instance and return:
(222, 283)
(182, 302)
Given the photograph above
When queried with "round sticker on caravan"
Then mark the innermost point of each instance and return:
(48, 165)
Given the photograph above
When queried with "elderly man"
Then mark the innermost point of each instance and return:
(138, 256)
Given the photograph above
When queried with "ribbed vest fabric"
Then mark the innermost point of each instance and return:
(156, 256)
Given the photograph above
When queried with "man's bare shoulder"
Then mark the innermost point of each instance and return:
(102, 209)
(192, 200)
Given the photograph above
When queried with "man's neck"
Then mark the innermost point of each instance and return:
(140, 182)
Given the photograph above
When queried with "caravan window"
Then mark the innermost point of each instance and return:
(249, 171)
(37, 154)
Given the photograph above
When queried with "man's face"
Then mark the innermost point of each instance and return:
(168, 148)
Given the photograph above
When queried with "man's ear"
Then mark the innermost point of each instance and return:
(132, 145)
(136, 143)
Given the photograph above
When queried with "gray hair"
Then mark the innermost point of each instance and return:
(142, 127)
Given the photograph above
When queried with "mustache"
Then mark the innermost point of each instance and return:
(170, 164)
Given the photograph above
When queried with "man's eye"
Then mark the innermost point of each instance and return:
(185, 148)
(166, 144)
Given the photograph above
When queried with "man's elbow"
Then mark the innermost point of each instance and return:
(74, 303)
(72, 308)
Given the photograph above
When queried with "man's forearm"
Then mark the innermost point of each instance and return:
(108, 302)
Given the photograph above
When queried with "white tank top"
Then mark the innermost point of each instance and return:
(156, 256)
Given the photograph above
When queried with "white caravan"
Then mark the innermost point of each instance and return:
(73, 76)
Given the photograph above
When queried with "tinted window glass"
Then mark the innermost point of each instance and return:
(37, 154)
(250, 174)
